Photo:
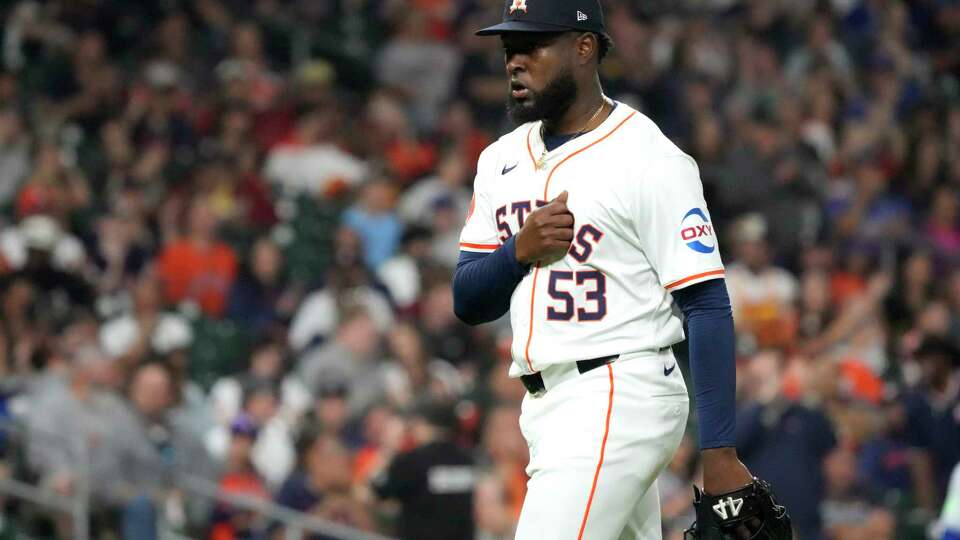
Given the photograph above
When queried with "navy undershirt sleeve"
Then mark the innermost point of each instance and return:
(483, 283)
(709, 318)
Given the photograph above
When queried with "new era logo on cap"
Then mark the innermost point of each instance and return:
(581, 16)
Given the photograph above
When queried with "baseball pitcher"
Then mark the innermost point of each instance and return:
(590, 227)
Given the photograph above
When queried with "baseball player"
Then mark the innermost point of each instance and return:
(590, 227)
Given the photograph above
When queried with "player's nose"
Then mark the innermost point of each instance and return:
(516, 63)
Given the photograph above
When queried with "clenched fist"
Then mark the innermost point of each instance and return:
(546, 234)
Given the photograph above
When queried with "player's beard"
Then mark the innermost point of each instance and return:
(550, 104)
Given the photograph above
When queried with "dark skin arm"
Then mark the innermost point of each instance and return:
(723, 471)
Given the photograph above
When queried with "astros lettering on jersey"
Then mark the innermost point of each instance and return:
(642, 230)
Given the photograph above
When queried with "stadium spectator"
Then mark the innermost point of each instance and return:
(858, 332)
(850, 511)
(375, 221)
(199, 267)
(146, 329)
(14, 153)
(416, 204)
(308, 162)
(320, 485)
(870, 211)
(402, 274)
(763, 296)
(349, 358)
(66, 412)
(507, 454)
(942, 229)
(267, 364)
(816, 308)
(249, 57)
(770, 429)
(384, 435)
(674, 483)
(164, 439)
(261, 299)
(435, 481)
(239, 478)
(39, 252)
(41, 228)
(330, 413)
(446, 224)
(933, 429)
(273, 454)
(821, 47)
(884, 460)
(422, 69)
(156, 113)
(393, 143)
(348, 284)
(444, 335)
(122, 246)
(495, 520)
(461, 135)
(410, 375)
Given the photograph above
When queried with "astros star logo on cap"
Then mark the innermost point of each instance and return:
(518, 4)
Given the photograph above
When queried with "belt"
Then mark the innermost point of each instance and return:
(534, 381)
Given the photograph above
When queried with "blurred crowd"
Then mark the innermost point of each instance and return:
(227, 232)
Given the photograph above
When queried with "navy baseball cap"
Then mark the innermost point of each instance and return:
(548, 16)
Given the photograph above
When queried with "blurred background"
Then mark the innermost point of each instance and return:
(227, 232)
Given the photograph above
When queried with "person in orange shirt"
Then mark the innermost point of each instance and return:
(199, 266)
(508, 454)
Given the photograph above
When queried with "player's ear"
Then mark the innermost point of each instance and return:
(586, 47)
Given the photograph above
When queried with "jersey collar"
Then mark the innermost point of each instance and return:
(536, 146)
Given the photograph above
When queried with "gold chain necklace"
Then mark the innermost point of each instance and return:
(542, 162)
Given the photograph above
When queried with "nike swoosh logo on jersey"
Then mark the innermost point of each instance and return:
(506, 170)
(667, 372)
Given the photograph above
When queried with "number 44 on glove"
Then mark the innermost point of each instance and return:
(749, 513)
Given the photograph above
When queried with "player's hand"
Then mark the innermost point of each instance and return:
(723, 471)
(547, 233)
(748, 513)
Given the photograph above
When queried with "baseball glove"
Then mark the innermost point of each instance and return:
(749, 513)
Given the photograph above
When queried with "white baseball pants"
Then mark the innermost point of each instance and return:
(598, 441)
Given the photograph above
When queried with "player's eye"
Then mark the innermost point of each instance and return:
(519, 48)
(529, 45)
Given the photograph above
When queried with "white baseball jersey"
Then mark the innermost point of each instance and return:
(642, 230)
(950, 517)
